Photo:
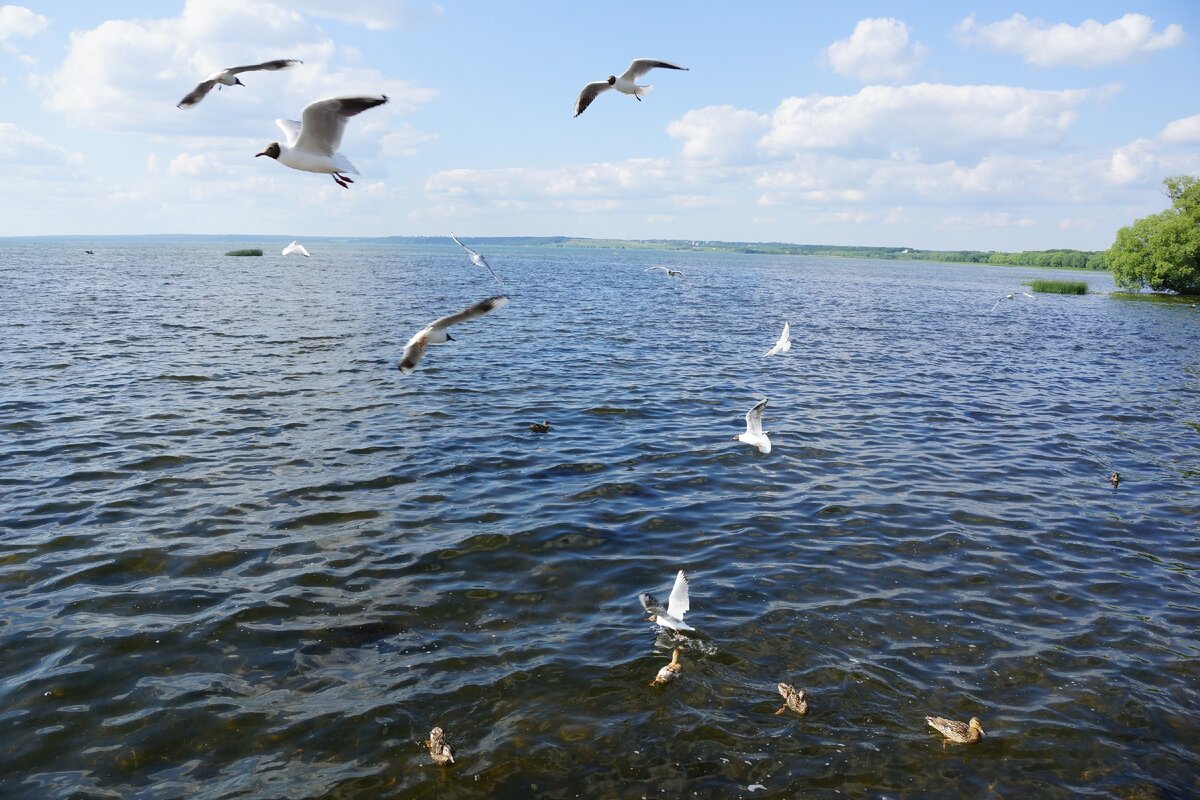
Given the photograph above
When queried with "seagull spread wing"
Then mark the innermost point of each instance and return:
(460, 244)
(476, 258)
(589, 93)
(754, 419)
(640, 66)
(784, 343)
(279, 63)
(324, 121)
(291, 130)
(475, 311)
(650, 269)
(197, 94)
(295, 247)
(678, 603)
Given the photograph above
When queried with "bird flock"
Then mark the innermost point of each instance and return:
(311, 145)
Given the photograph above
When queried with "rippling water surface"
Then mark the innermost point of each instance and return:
(242, 556)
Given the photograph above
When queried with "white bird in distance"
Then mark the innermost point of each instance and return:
(435, 332)
(783, 345)
(228, 77)
(311, 145)
(295, 247)
(671, 273)
(1012, 296)
(754, 434)
(677, 605)
(625, 84)
(476, 259)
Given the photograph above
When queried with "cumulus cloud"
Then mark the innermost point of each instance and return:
(374, 14)
(1089, 44)
(20, 21)
(926, 117)
(720, 133)
(877, 51)
(26, 154)
(127, 75)
(1182, 131)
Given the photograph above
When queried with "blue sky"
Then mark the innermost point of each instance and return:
(932, 125)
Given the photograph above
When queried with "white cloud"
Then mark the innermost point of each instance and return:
(1089, 44)
(20, 21)
(26, 154)
(373, 14)
(721, 133)
(598, 181)
(878, 50)
(404, 140)
(188, 164)
(926, 118)
(1182, 131)
(127, 75)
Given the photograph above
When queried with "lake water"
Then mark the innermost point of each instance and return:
(242, 556)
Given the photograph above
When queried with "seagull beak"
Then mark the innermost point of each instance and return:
(263, 153)
(651, 618)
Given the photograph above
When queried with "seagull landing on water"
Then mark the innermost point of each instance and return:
(435, 332)
(228, 77)
(625, 84)
(295, 247)
(671, 273)
(754, 434)
(1013, 296)
(677, 605)
(312, 144)
(784, 344)
(476, 259)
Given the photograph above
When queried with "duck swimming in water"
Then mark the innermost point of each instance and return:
(955, 731)
(793, 698)
(670, 672)
(439, 749)
(540, 427)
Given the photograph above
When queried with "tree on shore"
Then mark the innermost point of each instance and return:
(1162, 251)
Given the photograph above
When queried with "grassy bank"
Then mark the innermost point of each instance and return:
(1057, 287)
(252, 252)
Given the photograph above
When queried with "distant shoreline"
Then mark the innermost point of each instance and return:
(1087, 260)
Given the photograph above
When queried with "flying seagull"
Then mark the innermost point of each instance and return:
(295, 247)
(626, 83)
(435, 332)
(671, 273)
(229, 77)
(312, 145)
(754, 434)
(1012, 296)
(677, 605)
(784, 344)
(476, 259)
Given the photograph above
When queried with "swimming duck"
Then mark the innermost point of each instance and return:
(540, 427)
(793, 698)
(1115, 479)
(670, 672)
(439, 749)
(957, 732)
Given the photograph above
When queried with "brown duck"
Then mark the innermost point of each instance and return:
(439, 749)
(670, 672)
(540, 427)
(793, 698)
(957, 732)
